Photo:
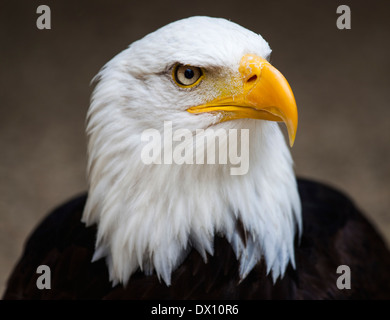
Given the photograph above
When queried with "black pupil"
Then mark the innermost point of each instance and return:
(189, 73)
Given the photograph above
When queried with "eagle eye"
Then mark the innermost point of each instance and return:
(187, 76)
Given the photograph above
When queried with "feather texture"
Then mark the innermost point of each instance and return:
(148, 216)
(66, 245)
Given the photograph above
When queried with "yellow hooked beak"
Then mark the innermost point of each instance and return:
(265, 94)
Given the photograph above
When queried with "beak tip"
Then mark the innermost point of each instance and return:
(292, 126)
(292, 140)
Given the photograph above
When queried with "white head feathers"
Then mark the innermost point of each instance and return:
(149, 216)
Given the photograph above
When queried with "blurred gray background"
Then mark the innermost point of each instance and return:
(340, 78)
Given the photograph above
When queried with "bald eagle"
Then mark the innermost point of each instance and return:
(163, 229)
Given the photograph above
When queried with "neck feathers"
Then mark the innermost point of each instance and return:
(150, 216)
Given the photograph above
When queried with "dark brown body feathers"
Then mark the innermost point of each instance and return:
(334, 233)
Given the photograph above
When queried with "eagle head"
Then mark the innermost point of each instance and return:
(152, 192)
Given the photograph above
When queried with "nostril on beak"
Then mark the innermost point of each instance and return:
(252, 79)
